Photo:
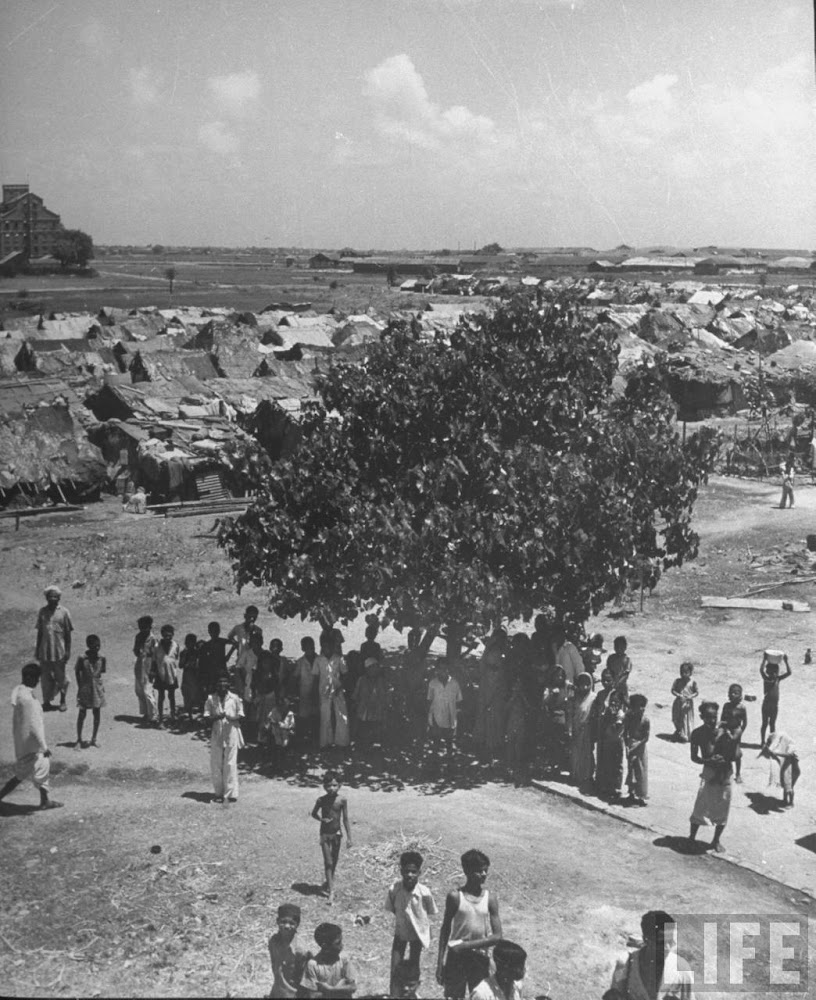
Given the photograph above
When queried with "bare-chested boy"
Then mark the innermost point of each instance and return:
(331, 810)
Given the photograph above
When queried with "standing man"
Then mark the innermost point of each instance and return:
(30, 749)
(53, 649)
(444, 702)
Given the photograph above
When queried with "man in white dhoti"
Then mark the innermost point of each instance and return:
(30, 749)
(226, 710)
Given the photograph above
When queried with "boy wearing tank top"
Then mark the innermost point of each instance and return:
(470, 927)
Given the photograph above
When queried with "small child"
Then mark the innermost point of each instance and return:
(636, 731)
(329, 973)
(771, 677)
(287, 955)
(506, 983)
(470, 927)
(90, 687)
(685, 691)
(621, 666)
(279, 726)
(735, 719)
(190, 681)
(412, 903)
(331, 809)
(164, 671)
(593, 655)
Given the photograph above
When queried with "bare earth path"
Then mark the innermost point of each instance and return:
(89, 910)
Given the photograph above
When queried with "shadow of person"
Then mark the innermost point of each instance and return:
(672, 738)
(17, 809)
(199, 796)
(131, 720)
(764, 804)
(307, 889)
(808, 842)
(681, 845)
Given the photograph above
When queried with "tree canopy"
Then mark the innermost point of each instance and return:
(487, 478)
(74, 248)
(492, 248)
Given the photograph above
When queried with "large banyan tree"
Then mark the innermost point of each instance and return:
(449, 485)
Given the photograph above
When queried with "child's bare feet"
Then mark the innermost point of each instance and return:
(718, 848)
(93, 743)
(738, 779)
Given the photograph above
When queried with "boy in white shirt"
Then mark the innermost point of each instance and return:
(412, 903)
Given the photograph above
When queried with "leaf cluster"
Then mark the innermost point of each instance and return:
(463, 482)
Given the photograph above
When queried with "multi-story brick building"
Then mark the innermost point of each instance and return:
(26, 225)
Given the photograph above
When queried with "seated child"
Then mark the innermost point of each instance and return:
(328, 973)
(412, 903)
(286, 953)
(506, 982)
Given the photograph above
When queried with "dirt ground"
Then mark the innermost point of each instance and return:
(90, 910)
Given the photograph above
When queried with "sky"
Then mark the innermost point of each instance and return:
(421, 124)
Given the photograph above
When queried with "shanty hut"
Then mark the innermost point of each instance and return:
(43, 443)
(153, 367)
(703, 386)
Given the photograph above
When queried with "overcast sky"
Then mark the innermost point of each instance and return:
(415, 123)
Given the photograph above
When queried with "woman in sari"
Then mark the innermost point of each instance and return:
(581, 764)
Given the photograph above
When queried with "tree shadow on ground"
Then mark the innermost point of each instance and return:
(205, 797)
(764, 804)
(380, 768)
(808, 842)
(681, 845)
(11, 809)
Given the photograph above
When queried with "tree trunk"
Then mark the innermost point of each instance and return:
(453, 642)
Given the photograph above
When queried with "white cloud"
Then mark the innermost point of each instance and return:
(218, 138)
(236, 93)
(654, 91)
(145, 86)
(404, 112)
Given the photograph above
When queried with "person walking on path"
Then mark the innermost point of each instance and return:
(53, 647)
(90, 688)
(143, 647)
(226, 711)
(32, 756)
(712, 746)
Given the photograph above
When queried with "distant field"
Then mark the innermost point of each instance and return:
(131, 283)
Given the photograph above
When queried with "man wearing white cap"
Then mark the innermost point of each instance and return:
(54, 628)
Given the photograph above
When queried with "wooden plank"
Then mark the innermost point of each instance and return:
(782, 583)
(753, 604)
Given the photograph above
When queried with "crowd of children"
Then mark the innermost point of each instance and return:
(471, 929)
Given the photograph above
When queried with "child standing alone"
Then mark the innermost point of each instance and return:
(470, 927)
(412, 903)
(331, 809)
(90, 688)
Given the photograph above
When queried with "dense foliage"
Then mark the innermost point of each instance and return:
(74, 248)
(490, 477)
